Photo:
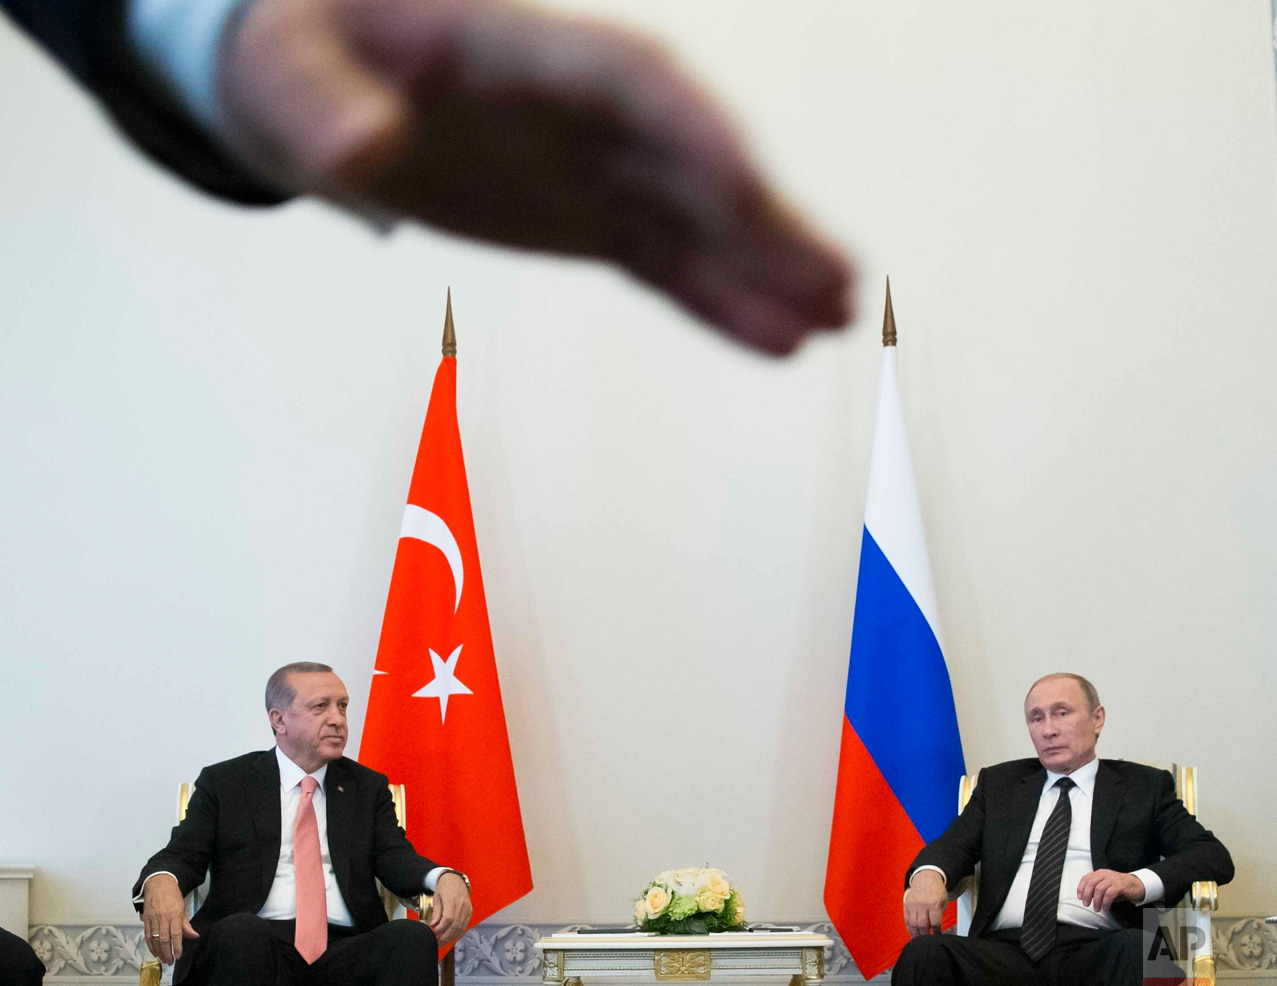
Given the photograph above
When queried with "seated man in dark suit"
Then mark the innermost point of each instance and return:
(18, 963)
(293, 838)
(1070, 848)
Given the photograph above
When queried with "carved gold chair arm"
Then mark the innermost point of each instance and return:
(150, 973)
(1205, 895)
(1204, 970)
(423, 904)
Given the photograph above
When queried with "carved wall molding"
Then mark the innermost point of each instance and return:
(1245, 949)
(1244, 945)
(101, 951)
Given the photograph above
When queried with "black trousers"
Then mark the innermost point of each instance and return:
(245, 950)
(1081, 957)
(18, 963)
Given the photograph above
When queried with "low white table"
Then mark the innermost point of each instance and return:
(567, 957)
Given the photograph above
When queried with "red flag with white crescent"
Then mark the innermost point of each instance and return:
(435, 721)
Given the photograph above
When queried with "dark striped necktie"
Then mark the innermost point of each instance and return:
(1037, 934)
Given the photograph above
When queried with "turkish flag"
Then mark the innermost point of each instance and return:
(435, 722)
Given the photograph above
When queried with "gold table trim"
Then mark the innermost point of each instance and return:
(684, 965)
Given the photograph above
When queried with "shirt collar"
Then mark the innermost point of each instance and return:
(1083, 777)
(290, 775)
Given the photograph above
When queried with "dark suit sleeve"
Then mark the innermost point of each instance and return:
(958, 850)
(90, 39)
(190, 847)
(1191, 852)
(396, 863)
(18, 963)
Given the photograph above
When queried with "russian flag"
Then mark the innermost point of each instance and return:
(901, 756)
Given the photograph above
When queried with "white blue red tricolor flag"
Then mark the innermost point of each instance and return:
(901, 756)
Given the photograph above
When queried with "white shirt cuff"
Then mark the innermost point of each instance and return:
(934, 869)
(432, 878)
(1153, 887)
(142, 894)
(179, 40)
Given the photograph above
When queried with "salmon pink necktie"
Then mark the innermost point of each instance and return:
(311, 935)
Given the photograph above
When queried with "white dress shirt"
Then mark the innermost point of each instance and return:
(1077, 860)
(179, 40)
(281, 902)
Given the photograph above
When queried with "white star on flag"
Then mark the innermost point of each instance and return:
(445, 682)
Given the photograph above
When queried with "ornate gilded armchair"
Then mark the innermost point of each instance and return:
(421, 906)
(1195, 909)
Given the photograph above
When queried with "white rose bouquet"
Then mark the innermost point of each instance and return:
(690, 901)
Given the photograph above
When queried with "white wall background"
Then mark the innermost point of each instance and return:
(208, 418)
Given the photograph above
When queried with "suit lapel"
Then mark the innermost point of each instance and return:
(1104, 808)
(337, 795)
(1025, 798)
(1015, 825)
(266, 817)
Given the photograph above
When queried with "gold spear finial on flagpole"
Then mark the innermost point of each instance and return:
(449, 333)
(888, 320)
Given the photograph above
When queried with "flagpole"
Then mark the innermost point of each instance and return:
(449, 333)
(448, 970)
(888, 320)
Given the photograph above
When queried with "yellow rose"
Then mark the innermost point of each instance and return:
(640, 911)
(738, 909)
(717, 884)
(707, 901)
(655, 902)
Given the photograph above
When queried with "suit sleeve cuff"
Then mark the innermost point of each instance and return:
(934, 869)
(179, 40)
(432, 878)
(1153, 888)
(142, 889)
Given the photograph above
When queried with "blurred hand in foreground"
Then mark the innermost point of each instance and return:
(507, 123)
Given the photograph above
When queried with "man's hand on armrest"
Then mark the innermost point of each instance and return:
(452, 909)
(925, 901)
(164, 922)
(1100, 889)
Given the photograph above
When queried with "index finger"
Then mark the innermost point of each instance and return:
(442, 915)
